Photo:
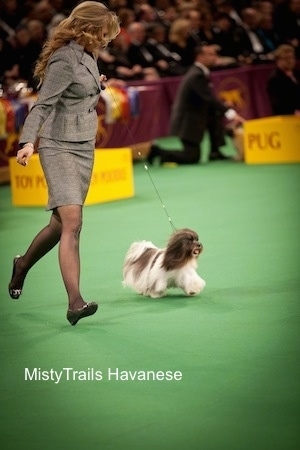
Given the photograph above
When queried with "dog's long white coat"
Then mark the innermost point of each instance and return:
(153, 280)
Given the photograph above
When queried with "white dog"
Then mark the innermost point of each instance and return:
(150, 270)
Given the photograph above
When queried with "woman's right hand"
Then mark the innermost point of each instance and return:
(24, 154)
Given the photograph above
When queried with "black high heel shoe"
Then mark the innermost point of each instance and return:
(74, 315)
(16, 292)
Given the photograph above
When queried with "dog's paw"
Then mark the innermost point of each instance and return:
(196, 287)
(157, 294)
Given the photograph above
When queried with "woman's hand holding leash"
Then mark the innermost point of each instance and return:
(25, 153)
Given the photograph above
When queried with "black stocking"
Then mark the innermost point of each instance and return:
(44, 241)
(71, 219)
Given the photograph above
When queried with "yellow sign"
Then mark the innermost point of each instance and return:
(272, 140)
(112, 179)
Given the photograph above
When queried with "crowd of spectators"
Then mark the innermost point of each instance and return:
(158, 37)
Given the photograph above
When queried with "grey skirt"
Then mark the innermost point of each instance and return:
(68, 169)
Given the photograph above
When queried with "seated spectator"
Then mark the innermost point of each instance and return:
(254, 48)
(283, 85)
(287, 23)
(167, 63)
(115, 5)
(114, 62)
(227, 7)
(265, 7)
(38, 31)
(138, 53)
(2, 63)
(224, 37)
(126, 16)
(167, 16)
(41, 10)
(146, 14)
(266, 32)
(206, 33)
(59, 12)
(10, 17)
(181, 42)
(196, 25)
(19, 54)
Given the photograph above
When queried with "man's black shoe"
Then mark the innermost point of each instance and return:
(218, 156)
(154, 152)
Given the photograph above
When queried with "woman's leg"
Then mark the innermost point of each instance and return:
(44, 241)
(64, 227)
(69, 261)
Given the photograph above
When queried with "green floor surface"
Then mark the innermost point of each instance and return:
(236, 344)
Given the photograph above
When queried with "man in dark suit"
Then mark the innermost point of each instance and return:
(253, 48)
(137, 52)
(196, 110)
(283, 85)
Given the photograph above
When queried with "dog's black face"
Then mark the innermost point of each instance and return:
(183, 245)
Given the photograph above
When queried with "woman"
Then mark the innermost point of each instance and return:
(283, 84)
(65, 121)
(181, 42)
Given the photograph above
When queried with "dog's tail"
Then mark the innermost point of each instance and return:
(136, 261)
(137, 249)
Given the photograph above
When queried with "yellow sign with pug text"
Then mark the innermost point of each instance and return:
(112, 179)
(272, 140)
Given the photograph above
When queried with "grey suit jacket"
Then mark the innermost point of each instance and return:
(66, 106)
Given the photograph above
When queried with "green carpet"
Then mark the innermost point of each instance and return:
(174, 143)
(236, 344)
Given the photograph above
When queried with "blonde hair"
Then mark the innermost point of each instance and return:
(178, 31)
(284, 50)
(84, 25)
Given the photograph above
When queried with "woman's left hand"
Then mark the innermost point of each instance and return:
(24, 154)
